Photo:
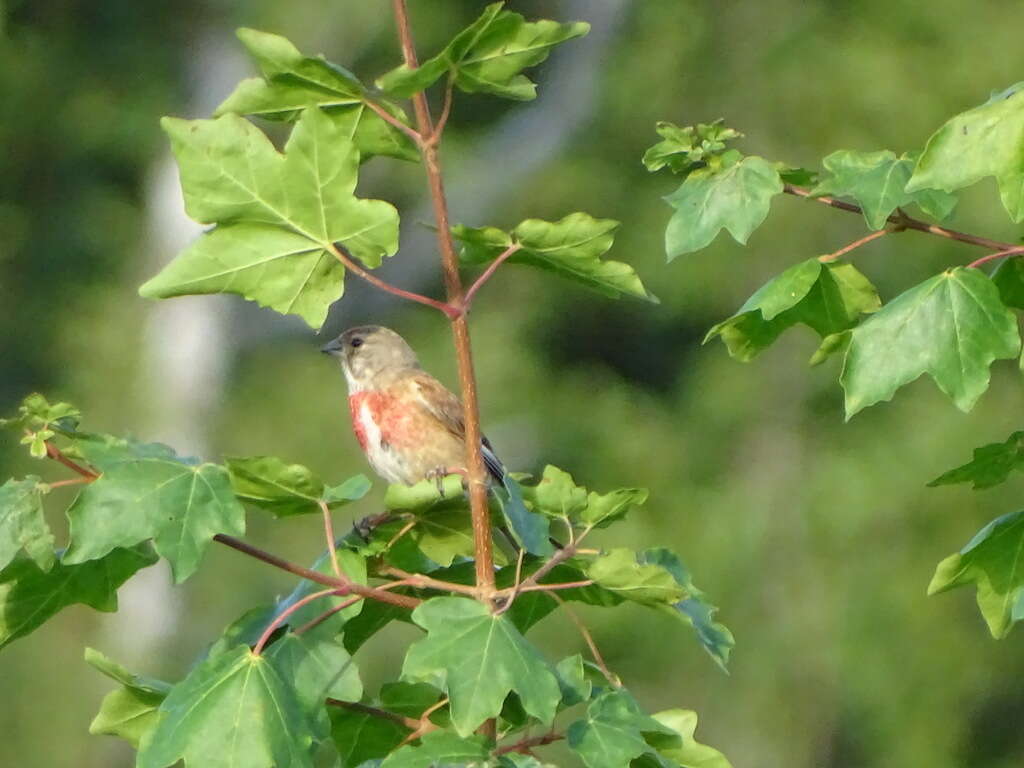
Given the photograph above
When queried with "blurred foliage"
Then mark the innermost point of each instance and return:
(816, 539)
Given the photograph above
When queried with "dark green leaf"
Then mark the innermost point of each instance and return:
(277, 215)
(232, 710)
(360, 736)
(827, 297)
(735, 194)
(685, 149)
(571, 248)
(615, 731)
(694, 609)
(990, 466)
(479, 658)
(573, 681)
(292, 82)
(22, 525)
(951, 327)
(985, 141)
(146, 491)
(29, 596)
(440, 749)
(1009, 279)
(530, 529)
(992, 561)
(876, 181)
(488, 56)
(288, 489)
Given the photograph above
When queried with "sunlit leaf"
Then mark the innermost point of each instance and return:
(987, 140)
(277, 215)
(615, 731)
(952, 327)
(22, 525)
(571, 248)
(288, 489)
(876, 181)
(480, 658)
(735, 194)
(146, 491)
(690, 753)
(130, 711)
(993, 562)
(488, 56)
(440, 749)
(682, 150)
(827, 297)
(291, 82)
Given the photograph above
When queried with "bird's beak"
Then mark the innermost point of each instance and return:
(332, 347)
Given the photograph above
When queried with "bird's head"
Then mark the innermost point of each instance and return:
(370, 355)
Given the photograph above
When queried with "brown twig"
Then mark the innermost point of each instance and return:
(53, 452)
(855, 245)
(491, 269)
(383, 714)
(610, 676)
(446, 110)
(420, 581)
(483, 546)
(998, 255)
(387, 117)
(71, 481)
(554, 587)
(281, 617)
(903, 220)
(524, 746)
(329, 535)
(313, 623)
(342, 255)
(380, 594)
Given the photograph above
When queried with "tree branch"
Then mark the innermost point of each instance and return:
(855, 245)
(610, 676)
(387, 117)
(524, 746)
(491, 269)
(281, 617)
(332, 547)
(349, 263)
(903, 220)
(998, 255)
(409, 722)
(420, 581)
(477, 476)
(53, 452)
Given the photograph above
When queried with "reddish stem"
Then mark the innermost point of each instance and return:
(610, 676)
(524, 746)
(387, 117)
(554, 587)
(854, 245)
(329, 535)
(53, 452)
(446, 110)
(903, 220)
(484, 556)
(342, 255)
(71, 481)
(491, 269)
(409, 722)
(280, 618)
(998, 255)
(312, 623)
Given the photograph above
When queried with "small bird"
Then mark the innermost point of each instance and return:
(408, 424)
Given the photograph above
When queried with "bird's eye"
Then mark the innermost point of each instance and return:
(356, 342)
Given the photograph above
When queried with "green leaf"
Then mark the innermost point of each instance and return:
(288, 489)
(694, 609)
(682, 150)
(130, 711)
(991, 465)
(480, 658)
(277, 215)
(572, 680)
(360, 736)
(616, 731)
(985, 141)
(36, 413)
(604, 509)
(425, 496)
(623, 572)
(146, 491)
(827, 297)
(22, 525)
(690, 753)
(291, 82)
(353, 566)
(557, 494)
(876, 181)
(488, 56)
(735, 194)
(29, 596)
(530, 529)
(952, 327)
(440, 749)
(1009, 279)
(231, 710)
(571, 248)
(992, 561)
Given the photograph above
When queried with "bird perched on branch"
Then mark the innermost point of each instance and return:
(407, 423)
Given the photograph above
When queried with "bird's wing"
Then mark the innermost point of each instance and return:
(446, 408)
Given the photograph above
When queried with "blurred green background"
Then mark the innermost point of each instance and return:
(817, 539)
